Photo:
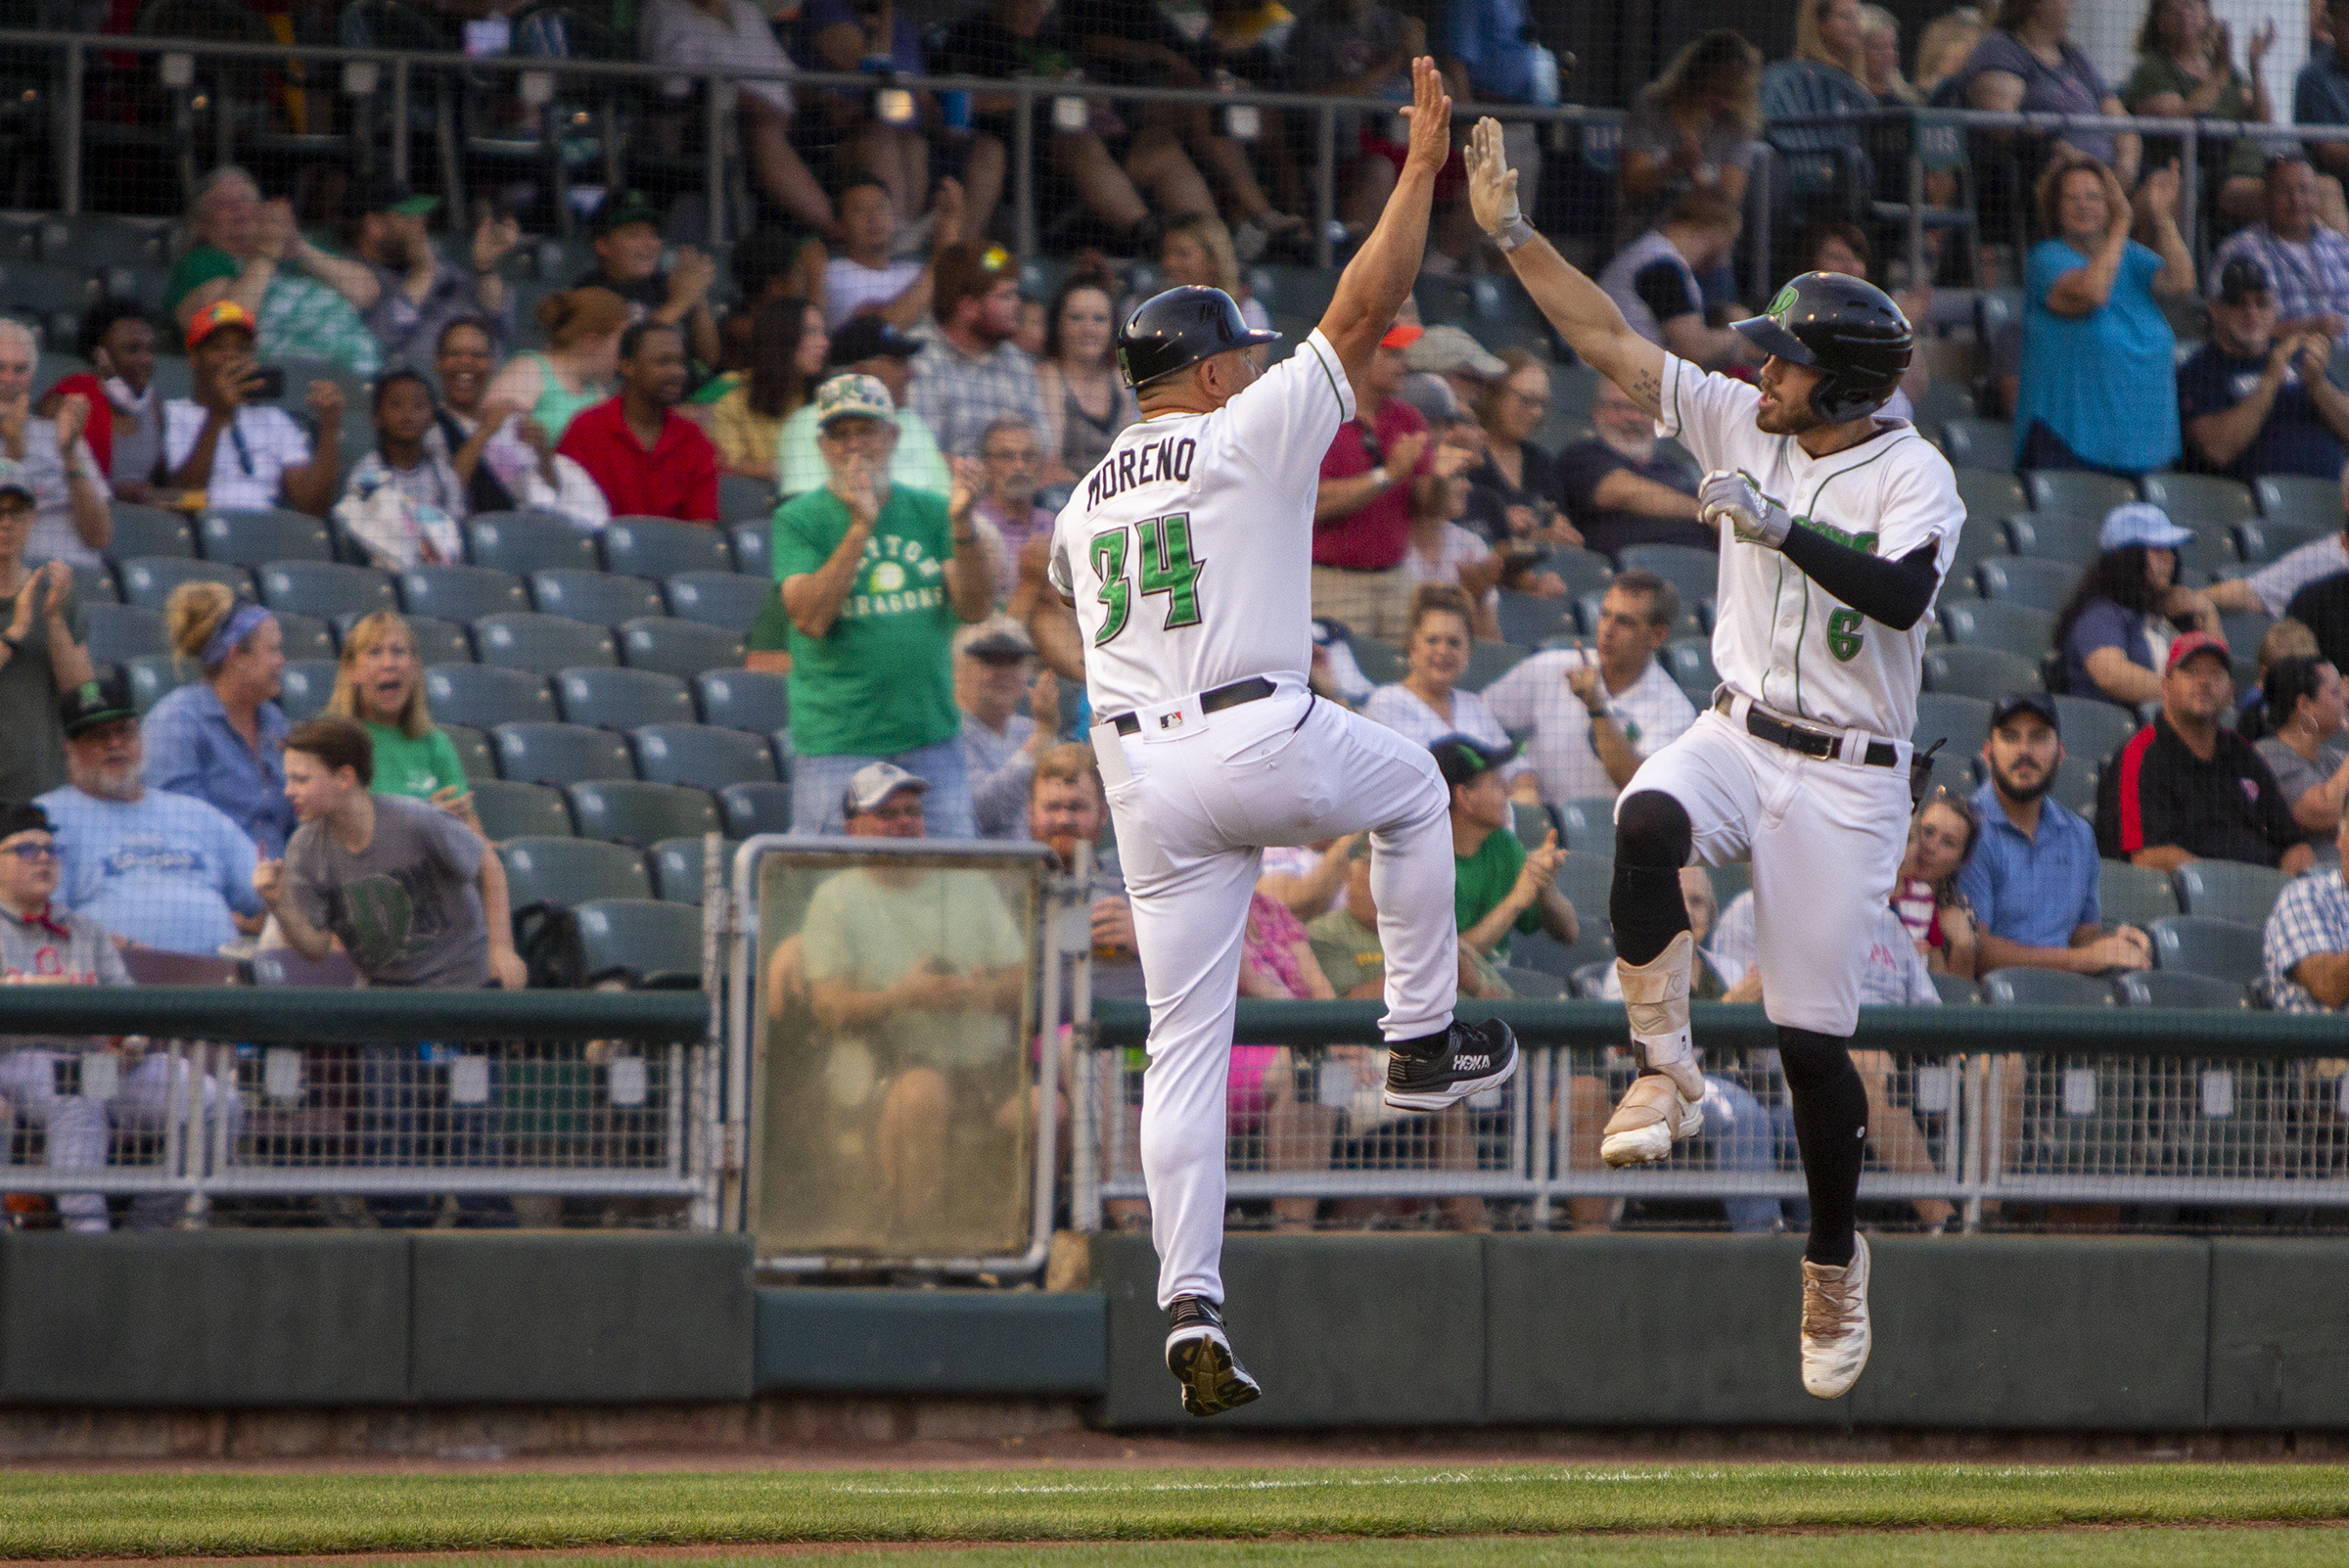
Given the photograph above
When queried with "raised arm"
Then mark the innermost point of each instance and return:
(1379, 278)
(1592, 327)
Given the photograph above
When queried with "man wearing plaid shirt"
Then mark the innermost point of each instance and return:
(970, 374)
(2307, 262)
(2307, 944)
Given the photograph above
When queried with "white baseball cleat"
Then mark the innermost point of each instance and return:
(1835, 1334)
(1654, 1116)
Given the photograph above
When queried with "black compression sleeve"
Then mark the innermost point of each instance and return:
(1894, 591)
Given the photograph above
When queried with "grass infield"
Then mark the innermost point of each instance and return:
(146, 1514)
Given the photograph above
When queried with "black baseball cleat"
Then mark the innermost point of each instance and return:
(1445, 1069)
(1199, 1354)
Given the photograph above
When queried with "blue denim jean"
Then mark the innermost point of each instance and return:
(1749, 1135)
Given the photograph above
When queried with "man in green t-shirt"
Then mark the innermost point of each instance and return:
(1500, 886)
(875, 578)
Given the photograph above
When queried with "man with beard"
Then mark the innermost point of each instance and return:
(2032, 878)
(972, 375)
(158, 868)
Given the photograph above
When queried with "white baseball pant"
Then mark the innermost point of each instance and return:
(1825, 837)
(1193, 812)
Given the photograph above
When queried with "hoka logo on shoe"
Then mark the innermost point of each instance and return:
(1469, 1064)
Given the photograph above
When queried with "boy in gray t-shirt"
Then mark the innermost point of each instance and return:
(401, 885)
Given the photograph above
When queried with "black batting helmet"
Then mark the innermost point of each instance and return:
(1180, 327)
(1843, 326)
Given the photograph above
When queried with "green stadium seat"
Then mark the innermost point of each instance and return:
(1955, 991)
(1690, 663)
(628, 811)
(304, 636)
(1590, 821)
(677, 865)
(657, 548)
(1381, 663)
(463, 593)
(152, 677)
(744, 499)
(682, 648)
(2262, 539)
(2219, 949)
(753, 544)
(1730, 879)
(1693, 572)
(1530, 622)
(1982, 539)
(325, 590)
(1582, 570)
(475, 753)
(2042, 585)
(2054, 537)
(486, 697)
(2092, 729)
(2204, 502)
(150, 530)
(1488, 662)
(703, 756)
(306, 686)
(598, 598)
(1538, 950)
(2243, 629)
(437, 641)
(257, 538)
(725, 599)
(1973, 442)
(1533, 984)
(2043, 987)
(570, 871)
(621, 699)
(649, 940)
(750, 810)
(2077, 492)
(523, 542)
(1997, 623)
(2314, 505)
(148, 579)
(561, 754)
(2134, 895)
(96, 584)
(2228, 890)
(121, 632)
(526, 640)
(1960, 723)
(1585, 880)
(1990, 493)
(1534, 823)
(2075, 784)
(2161, 988)
(753, 700)
(520, 811)
(1969, 670)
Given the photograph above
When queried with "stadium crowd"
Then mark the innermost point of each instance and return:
(873, 416)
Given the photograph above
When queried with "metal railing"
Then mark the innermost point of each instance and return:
(1970, 1105)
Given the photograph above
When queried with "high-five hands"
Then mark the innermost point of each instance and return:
(1492, 187)
(1757, 520)
(1430, 114)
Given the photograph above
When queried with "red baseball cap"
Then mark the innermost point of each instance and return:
(1402, 335)
(2192, 643)
(218, 315)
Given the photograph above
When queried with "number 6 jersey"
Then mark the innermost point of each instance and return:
(1778, 636)
(1188, 551)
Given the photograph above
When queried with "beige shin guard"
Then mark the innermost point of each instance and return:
(1665, 1103)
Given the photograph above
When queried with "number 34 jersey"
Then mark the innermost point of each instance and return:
(1188, 551)
(1778, 636)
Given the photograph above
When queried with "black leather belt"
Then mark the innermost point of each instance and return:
(1253, 689)
(1804, 742)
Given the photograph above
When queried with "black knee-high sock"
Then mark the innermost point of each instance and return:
(1652, 838)
(1830, 1127)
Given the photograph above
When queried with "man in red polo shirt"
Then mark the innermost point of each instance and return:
(1362, 519)
(646, 460)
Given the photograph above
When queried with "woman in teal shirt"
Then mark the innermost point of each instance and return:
(381, 684)
(2099, 379)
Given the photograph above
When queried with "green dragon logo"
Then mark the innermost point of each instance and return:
(1782, 303)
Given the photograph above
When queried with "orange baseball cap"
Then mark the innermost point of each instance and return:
(1402, 335)
(219, 313)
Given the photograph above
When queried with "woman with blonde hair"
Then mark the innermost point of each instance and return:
(1880, 57)
(1694, 126)
(221, 738)
(1944, 44)
(380, 682)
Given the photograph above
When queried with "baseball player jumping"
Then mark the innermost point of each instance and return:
(1186, 554)
(1836, 525)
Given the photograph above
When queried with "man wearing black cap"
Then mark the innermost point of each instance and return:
(1500, 886)
(866, 346)
(2033, 876)
(2254, 401)
(421, 294)
(628, 261)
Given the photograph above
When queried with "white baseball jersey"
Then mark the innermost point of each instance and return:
(1188, 550)
(1777, 638)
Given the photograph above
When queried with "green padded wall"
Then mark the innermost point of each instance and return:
(2279, 1334)
(1647, 1331)
(588, 1318)
(2108, 1334)
(817, 1339)
(225, 1317)
(1342, 1330)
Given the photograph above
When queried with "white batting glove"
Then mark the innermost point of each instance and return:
(1755, 519)
(1492, 187)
